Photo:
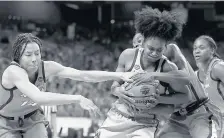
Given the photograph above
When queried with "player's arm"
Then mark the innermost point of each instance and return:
(179, 92)
(116, 86)
(173, 75)
(19, 78)
(178, 57)
(217, 72)
(56, 69)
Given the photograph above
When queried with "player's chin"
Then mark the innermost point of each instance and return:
(153, 59)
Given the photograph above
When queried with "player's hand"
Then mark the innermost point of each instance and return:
(126, 76)
(143, 78)
(124, 97)
(90, 106)
(152, 100)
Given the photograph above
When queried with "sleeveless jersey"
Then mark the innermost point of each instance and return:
(15, 103)
(137, 67)
(214, 88)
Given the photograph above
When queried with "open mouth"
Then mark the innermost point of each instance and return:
(197, 57)
(152, 56)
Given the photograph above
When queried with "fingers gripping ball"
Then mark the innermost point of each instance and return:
(144, 95)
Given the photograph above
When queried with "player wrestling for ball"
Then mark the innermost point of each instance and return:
(23, 86)
(153, 100)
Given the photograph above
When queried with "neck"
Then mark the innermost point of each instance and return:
(146, 62)
(32, 74)
(203, 66)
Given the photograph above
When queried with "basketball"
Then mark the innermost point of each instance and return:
(142, 94)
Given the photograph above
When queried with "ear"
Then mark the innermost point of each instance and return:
(213, 51)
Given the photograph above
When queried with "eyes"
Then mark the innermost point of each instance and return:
(201, 47)
(152, 49)
(30, 54)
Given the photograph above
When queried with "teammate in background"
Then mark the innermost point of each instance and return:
(210, 73)
(23, 86)
(137, 40)
(158, 28)
(193, 123)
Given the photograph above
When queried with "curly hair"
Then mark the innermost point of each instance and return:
(154, 23)
(22, 40)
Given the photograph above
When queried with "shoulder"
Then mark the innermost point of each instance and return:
(169, 66)
(217, 69)
(13, 74)
(127, 54)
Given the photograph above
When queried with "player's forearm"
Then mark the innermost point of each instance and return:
(48, 98)
(99, 76)
(175, 99)
(172, 76)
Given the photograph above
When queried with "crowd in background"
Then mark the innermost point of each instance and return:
(83, 54)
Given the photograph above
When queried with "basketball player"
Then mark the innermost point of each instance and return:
(199, 121)
(210, 73)
(158, 28)
(179, 128)
(23, 85)
(199, 124)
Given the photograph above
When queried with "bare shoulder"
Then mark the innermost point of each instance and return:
(169, 66)
(11, 74)
(128, 52)
(14, 71)
(217, 70)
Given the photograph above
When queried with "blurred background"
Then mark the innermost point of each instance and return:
(90, 35)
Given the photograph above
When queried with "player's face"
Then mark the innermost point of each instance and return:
(154, 48)
(31, 58)
(202, 51)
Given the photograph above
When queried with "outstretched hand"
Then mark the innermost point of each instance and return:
(87, 104)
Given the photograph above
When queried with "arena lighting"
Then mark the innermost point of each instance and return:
(73, 6)
(112, 21)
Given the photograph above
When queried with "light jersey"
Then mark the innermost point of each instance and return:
(137, 67)
(15, 103)
(214, 88)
